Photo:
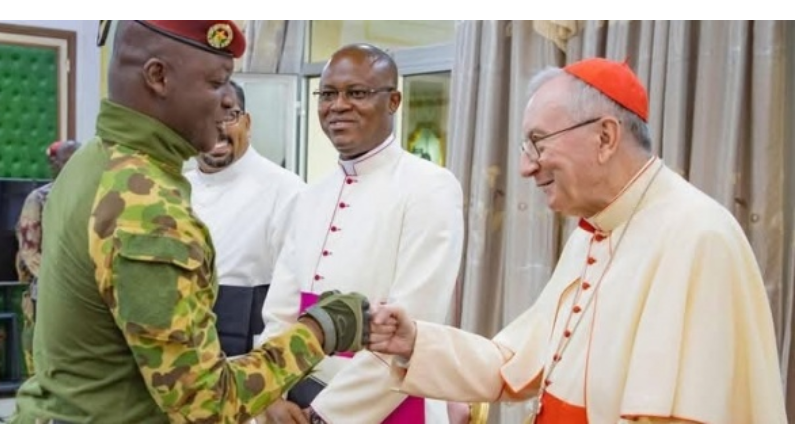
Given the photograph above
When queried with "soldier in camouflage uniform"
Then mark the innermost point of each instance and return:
(126, 331)
(29, 238)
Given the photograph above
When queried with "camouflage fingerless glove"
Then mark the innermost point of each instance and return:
(343, 318)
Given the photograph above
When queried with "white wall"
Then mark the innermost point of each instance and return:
(88, 67)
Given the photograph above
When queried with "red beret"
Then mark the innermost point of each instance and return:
(217, 36)
(615, 80)
(53, 148)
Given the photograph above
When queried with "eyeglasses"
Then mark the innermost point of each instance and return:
(232, 117)
(328, 96)
(530, 147)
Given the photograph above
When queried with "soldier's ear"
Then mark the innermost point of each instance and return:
(154, 73)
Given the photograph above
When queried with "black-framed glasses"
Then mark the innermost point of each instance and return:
(232, 117)
(530, 146)
(327, 96)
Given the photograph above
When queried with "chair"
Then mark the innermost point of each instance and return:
(479, 412)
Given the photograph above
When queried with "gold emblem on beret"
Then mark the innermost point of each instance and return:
(219, 35)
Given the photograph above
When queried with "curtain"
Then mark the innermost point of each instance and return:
(273, 47)
(721, 114)
(787, 351)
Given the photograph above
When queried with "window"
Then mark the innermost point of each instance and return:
(271, 102)
(328, 36)
(426, 102)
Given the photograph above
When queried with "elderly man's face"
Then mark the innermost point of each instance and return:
(566, 167)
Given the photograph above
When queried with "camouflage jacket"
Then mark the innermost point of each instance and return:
(126, 331)
(29, 236)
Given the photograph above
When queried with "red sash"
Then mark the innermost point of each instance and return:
(554, 410)
(410, 411)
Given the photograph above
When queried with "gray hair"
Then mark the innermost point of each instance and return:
(587, 102)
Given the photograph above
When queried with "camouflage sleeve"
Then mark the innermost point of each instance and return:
(29, 235)
(154, 267)
(161, 299)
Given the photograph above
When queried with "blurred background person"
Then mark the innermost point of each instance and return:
(29, 238)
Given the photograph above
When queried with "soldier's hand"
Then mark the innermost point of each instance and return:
(282, 411)
(344, 320)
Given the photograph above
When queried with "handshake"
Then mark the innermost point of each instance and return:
(348, 324)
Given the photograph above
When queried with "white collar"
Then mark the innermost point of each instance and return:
(375, 158)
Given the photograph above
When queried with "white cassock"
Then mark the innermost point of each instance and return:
(247, 208)
(390, 226)
(679, 326)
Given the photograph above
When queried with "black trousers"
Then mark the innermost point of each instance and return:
(238, 311)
